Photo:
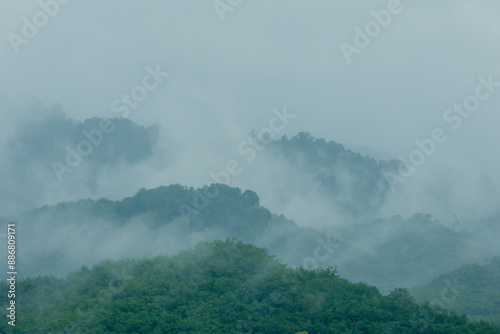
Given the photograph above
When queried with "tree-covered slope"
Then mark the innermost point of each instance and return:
(217, 206)
(387, 253)
(162, 220)
(51, 156)
(52, 137)
(220, 287)
(401, 252)
(472, 289)
(355, 182)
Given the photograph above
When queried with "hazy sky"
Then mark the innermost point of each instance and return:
(226, 76)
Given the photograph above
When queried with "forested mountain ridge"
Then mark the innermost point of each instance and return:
(221, 287)
(48, 139)
(355, 182)
(473, 289)
(73, 155)
(156, 217)
(68, 156)
(227, 208)
(387, 253)
(52, 156)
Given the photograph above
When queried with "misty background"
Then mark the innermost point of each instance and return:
(226, 79)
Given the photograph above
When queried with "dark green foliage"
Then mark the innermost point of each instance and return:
(398, 252)
(251, 198)
(228, 209)
(221, 287)
(236, 212)
(229, 213)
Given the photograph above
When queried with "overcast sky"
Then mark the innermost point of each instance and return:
(226, 76)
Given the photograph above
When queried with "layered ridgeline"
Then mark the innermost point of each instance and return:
(55, 158)
(220, 287)
(472, 289)
(399, 252)
(387, 253)
(56, 239)
(355, 184)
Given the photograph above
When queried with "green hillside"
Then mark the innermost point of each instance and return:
(354, 182)
(167, 214)
(471, 289)
(43, 154)
(387, 253)
(220, 287)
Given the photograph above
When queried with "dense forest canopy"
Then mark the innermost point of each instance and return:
(221, 287)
